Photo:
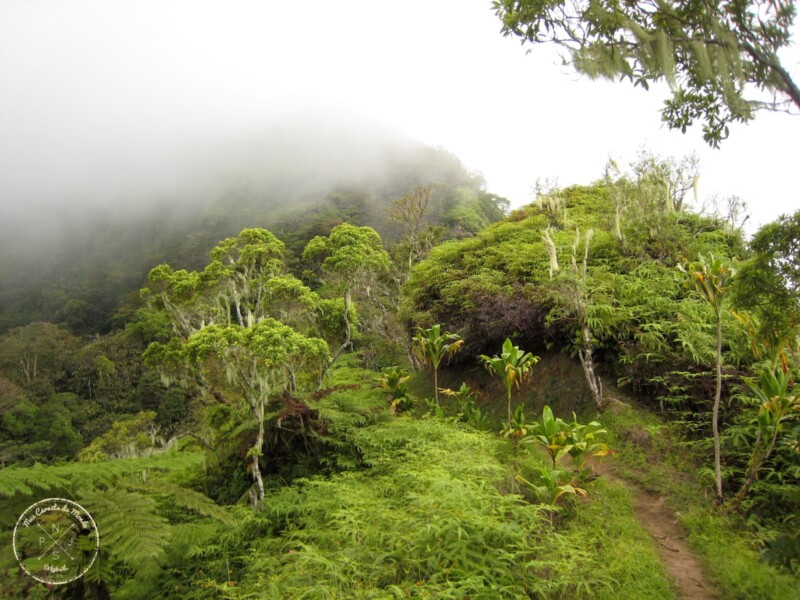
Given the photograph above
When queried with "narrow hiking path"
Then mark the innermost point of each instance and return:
(659, 520)
(679, 560)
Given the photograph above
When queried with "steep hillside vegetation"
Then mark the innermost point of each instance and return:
(667, 302)
(339, 414)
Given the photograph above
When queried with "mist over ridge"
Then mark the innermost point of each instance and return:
(299, 153)
(75, 250)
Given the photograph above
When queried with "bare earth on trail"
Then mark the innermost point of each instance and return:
(678, 559)
(659, 520)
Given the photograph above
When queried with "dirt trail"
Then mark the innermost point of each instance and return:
(680, 562)
(659, 520)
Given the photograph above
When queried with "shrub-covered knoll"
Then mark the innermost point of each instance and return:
(518, 279)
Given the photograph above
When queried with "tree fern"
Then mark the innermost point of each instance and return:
(132, 502)
(130, 527)
(74, 476)
(190, 499)
(24, 481)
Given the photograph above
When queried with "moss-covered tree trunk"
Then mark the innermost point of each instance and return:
(347, 327)
(258, 498)
(587, 362)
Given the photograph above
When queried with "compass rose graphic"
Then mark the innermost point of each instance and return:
(56, 541)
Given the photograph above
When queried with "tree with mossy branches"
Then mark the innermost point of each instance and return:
(259, 362)
(352, 258)
(228, 336)
(721, 59)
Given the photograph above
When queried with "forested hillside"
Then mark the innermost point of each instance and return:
(80, 270)
(397, 390)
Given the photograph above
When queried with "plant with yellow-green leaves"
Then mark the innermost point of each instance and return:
(512, 366)
(433, 346)
(393, 380)
(779, 401)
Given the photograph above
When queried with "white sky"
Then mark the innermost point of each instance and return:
(88, 86)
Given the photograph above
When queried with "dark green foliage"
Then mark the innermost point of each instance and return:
(40, 431)
(769, 282)
(66, 392)
(39, 356)
(136, 504)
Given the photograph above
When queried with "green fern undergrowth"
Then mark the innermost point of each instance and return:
(436, 514)
(409, 507)
(143, 508)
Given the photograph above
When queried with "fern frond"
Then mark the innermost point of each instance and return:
(77, 476)
(190, 499)
(130, 527)
(15, 480)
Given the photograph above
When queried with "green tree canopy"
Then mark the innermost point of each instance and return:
(720, 58)
(351, 258)
(349, 253)
(229, 336)
(37, 355)
(769, 282)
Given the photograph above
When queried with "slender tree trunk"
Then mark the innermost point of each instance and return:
(715, 413)
(585, 356)
(347, 327)
(258, 502)
(436, 385)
